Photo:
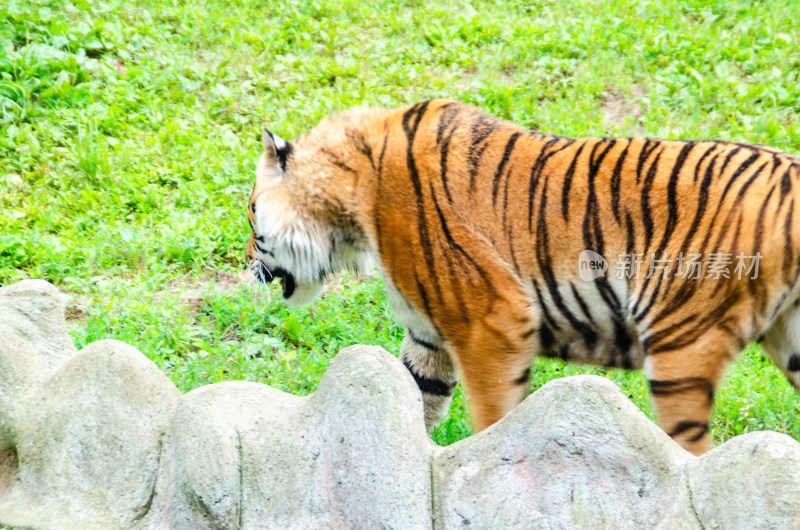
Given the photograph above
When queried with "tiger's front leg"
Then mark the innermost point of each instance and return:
(430, 364)
(495, 356)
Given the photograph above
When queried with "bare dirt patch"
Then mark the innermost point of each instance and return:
(74, 313)
(8, 470)
(624, 112)
(190, 290)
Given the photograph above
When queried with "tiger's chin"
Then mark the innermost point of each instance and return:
(302, 293)
(295, 293)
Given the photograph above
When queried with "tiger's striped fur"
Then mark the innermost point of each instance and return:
(478, 225)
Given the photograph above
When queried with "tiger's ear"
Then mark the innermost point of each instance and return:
(276, 149)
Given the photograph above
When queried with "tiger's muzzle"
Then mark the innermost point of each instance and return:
(266, 275)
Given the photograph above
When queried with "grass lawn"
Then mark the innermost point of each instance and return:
(129, 135)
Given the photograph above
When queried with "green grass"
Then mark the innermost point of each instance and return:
(129, 133)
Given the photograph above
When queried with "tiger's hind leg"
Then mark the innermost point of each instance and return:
(782, 343)
(427, 359)
(683, 382)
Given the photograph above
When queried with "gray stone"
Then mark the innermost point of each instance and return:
(89, 442)
(33, 339)
(575, 454)
(353, 455)
(750, 481)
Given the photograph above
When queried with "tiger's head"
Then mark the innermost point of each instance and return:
(297, 235)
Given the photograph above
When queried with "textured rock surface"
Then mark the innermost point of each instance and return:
(576, 452)
(353, 455)
(751, 481)
(100, 438)
(90, 439)
(33, 339)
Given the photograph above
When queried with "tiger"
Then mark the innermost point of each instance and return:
(499, 243)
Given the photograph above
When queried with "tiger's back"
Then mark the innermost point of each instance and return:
(498, 243)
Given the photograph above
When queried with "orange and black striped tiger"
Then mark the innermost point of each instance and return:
(498, 243)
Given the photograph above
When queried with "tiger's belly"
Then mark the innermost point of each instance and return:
(605, 352)
(587, 323)
(414, 320)
(587, 331)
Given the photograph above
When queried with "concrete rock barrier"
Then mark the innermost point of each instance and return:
(100, 438)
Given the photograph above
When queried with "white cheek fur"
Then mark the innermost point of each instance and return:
(305, 247)
(299, 247)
